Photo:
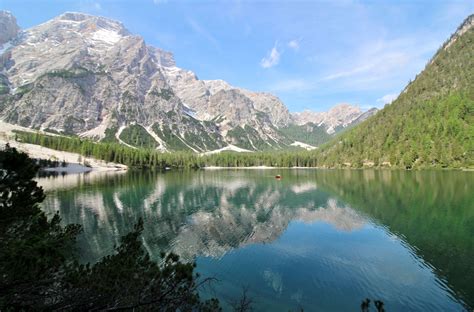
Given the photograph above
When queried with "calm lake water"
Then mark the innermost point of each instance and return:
(322, 240)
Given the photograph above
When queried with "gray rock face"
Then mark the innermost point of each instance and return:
(198, 95)
(339, 116)
(465, 26)
(270, 105)
(8, 27)
(88, 75)
(364, 116)
(84, 74)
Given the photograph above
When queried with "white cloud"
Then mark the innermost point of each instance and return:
(350, 72)
(387, 99)
(382, 62)
(379, 62)
(294, 44)
(272, 58)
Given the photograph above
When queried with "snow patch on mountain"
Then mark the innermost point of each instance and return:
(303, 145)
(229, 147)
(106, 36)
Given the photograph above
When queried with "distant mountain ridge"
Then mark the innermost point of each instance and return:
(339, 116)
(89, 76)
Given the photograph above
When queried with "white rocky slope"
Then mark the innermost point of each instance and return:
(76, 162)
(88, 75)
(197, 94)
(339, 116)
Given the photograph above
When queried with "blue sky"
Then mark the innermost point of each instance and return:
(312, 54)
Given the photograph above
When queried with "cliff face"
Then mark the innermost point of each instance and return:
(8, 27)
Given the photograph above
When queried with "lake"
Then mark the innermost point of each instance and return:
(322, 240)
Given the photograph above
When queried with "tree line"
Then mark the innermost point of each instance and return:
(347, 150)
(150, 158)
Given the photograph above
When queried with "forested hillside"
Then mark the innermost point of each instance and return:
(431, 123)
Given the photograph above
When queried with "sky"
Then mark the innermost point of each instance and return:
(311, 54)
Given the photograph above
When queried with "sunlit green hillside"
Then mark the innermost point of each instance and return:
(430, 124)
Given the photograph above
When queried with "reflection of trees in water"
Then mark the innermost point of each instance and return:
(196, 213)
(433, 211)
(210, 213)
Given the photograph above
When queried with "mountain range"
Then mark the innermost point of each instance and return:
(84, 75)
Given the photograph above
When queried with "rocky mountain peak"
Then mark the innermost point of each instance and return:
(467, 24)
(164, 58)
(84, 19)
(271, 105)
(8, 27)
(77, 30)
(343, 110)
(340, 115)
(217, 85)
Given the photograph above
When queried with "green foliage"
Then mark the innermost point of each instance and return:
(173, 142)
(70, 73)
(51, 131)
(202, 140)
(71, 122)
(185, 133)
(431, 124)
(129, 280)
(165, 94)
(22, 90)
(199, 136)
(38, 270)
(149, 158)
(4, 89)
(249, 138)
(113, 152)
(431, 210)
(282, 158)
(309, 134)
(110, 135)
(136, 135)
(34, 249)
(5, 101)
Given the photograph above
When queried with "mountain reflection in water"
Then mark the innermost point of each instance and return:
(223, 218)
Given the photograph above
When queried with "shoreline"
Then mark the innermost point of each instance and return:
(76, 163)
(344, 168)
(258, 167)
